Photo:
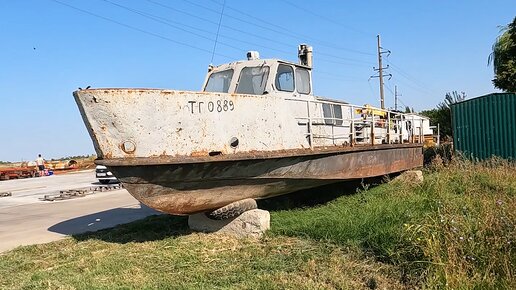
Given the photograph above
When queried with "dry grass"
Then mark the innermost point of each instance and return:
(470, 239)
(193, 261)
(456, 230)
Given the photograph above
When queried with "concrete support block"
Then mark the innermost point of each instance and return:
(252, 223)
(410, 176)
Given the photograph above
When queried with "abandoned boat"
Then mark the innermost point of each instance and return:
(256, 130)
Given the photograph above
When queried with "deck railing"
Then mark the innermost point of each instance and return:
(362, 124)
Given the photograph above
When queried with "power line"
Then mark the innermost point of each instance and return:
(399, 100)
(215, 23)
(218, 30)
(389, 89)
(171, 23)
(346, 59)
(247, 33)
(336, 79)
(337, 76)
(168, 22)
(396, 96)
(412, 86)
(240, 19)
(409, 77)
(136, 28)
(297, 35)
(370, 87)
(327, 19)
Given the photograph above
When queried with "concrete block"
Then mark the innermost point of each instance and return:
(410, 176)
(252, 223)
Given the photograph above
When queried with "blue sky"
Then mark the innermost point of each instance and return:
(49, 49)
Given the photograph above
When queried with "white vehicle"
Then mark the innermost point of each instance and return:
(104, 175)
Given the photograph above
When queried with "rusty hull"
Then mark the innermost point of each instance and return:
(184, 188)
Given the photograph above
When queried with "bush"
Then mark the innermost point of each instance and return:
(469, 239)
(456, 230)
(444, 152)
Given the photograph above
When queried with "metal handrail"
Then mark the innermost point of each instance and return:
(392, 120)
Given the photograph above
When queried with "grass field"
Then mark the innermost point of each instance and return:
(456, 230)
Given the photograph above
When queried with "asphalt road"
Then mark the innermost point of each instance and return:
(26, 219)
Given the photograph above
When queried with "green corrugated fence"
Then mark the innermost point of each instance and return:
(486, 126)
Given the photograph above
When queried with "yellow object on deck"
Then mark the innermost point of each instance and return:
(370, 110)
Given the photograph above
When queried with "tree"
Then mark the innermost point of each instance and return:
(409, 109)
(442, 114)
(503, 59)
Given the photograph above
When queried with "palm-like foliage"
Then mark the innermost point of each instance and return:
(442, 114)
(503, 59)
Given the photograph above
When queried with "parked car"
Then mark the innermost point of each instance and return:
(104, 175)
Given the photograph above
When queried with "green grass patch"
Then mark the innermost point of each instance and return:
(191, 261)
(456, 230)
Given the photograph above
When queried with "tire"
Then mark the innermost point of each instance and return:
(233, 209)
(104, 181)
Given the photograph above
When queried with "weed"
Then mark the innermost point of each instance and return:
(456, 230)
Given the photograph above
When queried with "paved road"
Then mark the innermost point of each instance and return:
(25, 219)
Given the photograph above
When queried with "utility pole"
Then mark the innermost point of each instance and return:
(380, 71)
(396, 95)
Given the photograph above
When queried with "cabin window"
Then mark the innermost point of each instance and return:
(219, 81)
(332, 114)
(302, 81)
(285, 78)
(253, 80)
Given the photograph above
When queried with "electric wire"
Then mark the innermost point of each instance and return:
(215, 23)
(137, 29)
(412, 86)
(247, 33)
(389, 89)
(330, 58)
(165, 21)
(337, 76)
(177, 25)
(408, 77)
(401, 102)
(169, 23)
(218, 30)
(373, 94)
(326, 18)
(333, 46)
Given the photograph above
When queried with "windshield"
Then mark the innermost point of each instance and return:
(253, 80)
(285, 78)
(219, 81)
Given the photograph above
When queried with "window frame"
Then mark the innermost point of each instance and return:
(219, 72)
(266, 75)
(309, 80)
(276, 78)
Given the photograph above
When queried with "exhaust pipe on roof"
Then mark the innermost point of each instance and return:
(304, 53)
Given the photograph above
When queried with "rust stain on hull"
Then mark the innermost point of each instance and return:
(186, 188)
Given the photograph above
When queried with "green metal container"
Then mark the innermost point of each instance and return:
(486, 126)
